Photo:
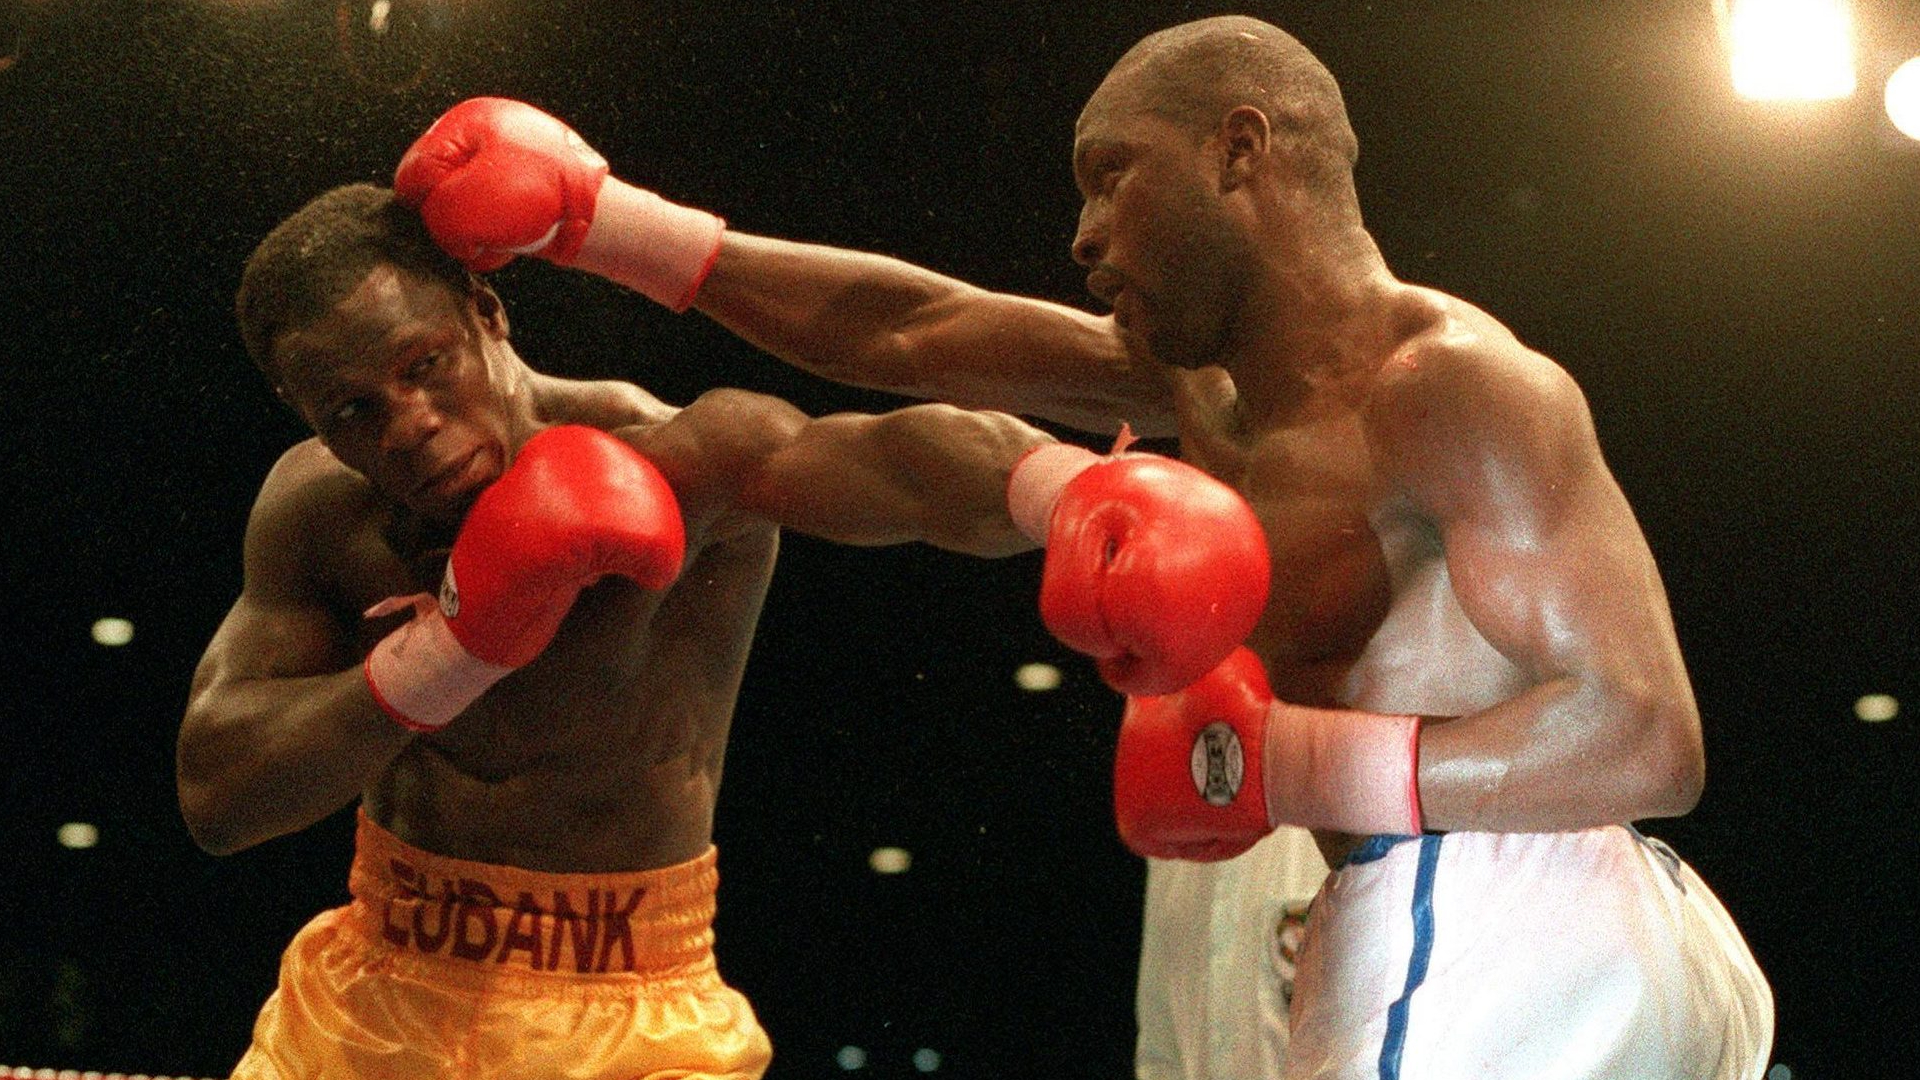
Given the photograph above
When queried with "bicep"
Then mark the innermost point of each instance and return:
(272, 640)
(282, 625)
(1037, 358)
(932, 473)
(928, 472)
(1556, 575)
(1543, 552)
(886, 324)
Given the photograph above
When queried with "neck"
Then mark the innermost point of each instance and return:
(1315, 323)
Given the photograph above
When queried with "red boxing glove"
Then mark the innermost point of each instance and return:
(576, 504)
(1153, 567)
(495, 178)
(1188, 774)
(1204, 773)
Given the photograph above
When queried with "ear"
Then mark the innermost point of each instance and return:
(488, 308)
(1245, 137)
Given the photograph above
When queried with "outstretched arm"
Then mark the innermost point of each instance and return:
(496, 178)
(931, 473)
(878, 322)
(1153, 567)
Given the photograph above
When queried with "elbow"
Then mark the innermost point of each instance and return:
(207, 811)
(208, 833)
(1669, 766)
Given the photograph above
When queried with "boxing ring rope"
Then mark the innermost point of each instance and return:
(20, 1073)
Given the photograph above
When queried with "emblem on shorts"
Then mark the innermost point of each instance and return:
(1218, 763)
(449, 593)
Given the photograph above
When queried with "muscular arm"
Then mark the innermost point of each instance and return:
(280, 729)
(881, 323)
(1498, 450)
(931, 473)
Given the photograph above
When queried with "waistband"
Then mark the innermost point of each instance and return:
(647, 922)
(1377, 847)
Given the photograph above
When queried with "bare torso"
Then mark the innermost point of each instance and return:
(605, 752)
(1362, 614)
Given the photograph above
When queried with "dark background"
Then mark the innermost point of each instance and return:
(1733, 284)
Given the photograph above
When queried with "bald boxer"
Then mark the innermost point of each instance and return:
(1466, 680)
(509, 614)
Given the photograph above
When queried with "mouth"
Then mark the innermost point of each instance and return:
(1106, 284)
(448, 484)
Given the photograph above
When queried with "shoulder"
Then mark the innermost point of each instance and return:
(716, 445)
(719, 431)
(307, 505)
(1462, 402)
(1463, 366)
(309, 486)
(603, 403)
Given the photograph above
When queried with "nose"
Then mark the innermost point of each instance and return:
(411, 421)
(1090, 240)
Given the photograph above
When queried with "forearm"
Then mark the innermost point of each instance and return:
(848, 316)
(1565, 754)
(930, 473)
(261, 758)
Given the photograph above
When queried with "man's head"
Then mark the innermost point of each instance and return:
(1197, 143)
(393, 354)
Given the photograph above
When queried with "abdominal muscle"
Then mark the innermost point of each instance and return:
(605, 753)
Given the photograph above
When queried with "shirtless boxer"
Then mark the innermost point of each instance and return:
(1466, 680)
(538, 750)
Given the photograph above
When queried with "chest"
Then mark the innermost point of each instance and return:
(1336, 542)
(623, 660)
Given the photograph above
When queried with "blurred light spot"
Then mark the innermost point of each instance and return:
(851, 1058)
(926, 1060)
(377, 16)
(1903, 98)
(1780, 1072)
(1791, 50)
(1037, 677)
(1876, 708)
(78, 835)
(112, 632)
(890, 860)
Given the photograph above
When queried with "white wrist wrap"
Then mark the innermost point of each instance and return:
(1354, 773)
(657, 248)
(1036, 481)
(420, 674)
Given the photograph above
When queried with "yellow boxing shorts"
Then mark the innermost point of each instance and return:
(448, 968)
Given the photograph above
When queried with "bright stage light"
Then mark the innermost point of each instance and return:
(890, 860)
(78, 835)
(1790, 50)
(1877, 708)
(1037, 678)
(1903, 98)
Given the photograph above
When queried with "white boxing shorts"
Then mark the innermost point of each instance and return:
(1216, 960)
(1593, 955)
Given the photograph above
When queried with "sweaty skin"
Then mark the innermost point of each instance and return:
(605, 752)
(1446, 538)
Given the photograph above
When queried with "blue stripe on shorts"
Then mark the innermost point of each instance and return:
(1395, 1043)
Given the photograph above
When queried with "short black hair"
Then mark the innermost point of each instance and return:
(322, 252)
